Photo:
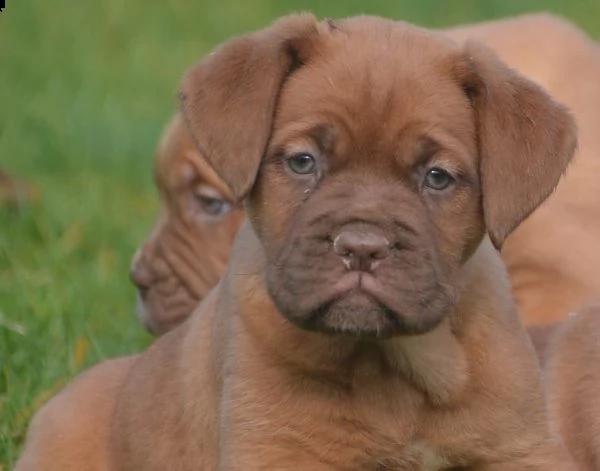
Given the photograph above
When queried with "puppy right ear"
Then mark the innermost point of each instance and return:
(229, 99)
(526, 140)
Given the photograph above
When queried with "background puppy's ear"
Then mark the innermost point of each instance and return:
(229, 99)
(526, 140)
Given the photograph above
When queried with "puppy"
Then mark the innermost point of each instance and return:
(72, 431)
(187, 252)
(573, 382)
(365, 320)
(553, 257)
(541, 335)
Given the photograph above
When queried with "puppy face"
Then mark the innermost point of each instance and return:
(375, 157)
(188, 250)
(369, 195)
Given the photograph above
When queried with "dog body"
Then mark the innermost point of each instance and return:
(217, 394)
(251, 402)
(573, 382)
(71, 432)
(568, 352)
(365, 320)
(187, 252)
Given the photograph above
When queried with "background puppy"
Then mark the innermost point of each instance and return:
(72, 431)
(573, 383)
(553, 257)
(188, 250)
(369, 192)
(550, 274)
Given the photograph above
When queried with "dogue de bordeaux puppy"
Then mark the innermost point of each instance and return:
(365, 320)
(553, 257)
(188, 250)
(573, 383)
(570, 351)
(187, 253)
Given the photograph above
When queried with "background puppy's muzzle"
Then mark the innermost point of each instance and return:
(138, 272)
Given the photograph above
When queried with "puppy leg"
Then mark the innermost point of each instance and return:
(70, 432)
(573, 384)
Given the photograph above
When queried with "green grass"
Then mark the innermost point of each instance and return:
(84, 91)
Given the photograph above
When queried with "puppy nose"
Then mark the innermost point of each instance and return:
(138, 273)
(360, 249)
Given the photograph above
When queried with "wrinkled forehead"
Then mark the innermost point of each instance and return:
(179, 162)
(376, 76)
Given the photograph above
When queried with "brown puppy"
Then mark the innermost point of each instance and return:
(188, 250)
(573, 384)
(553, 257)
(548, 281)
(365, 320)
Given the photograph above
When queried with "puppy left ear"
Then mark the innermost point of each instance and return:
(229, 99)
(526, 140)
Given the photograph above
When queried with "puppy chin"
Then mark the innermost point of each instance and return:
(159, 314)
(355, 314)
(360, 315)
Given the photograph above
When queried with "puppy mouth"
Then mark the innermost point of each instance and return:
(356, 314)
(353, 308)
(359, 305)
(349, 282)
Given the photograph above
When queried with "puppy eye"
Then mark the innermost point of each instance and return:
(438, 179)
(213, 206)
(210, 200)
(302, 164)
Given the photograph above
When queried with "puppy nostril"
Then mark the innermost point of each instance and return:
(398, 246)
(379, 254)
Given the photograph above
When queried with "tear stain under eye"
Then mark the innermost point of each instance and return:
(306, 194)
(311, 189)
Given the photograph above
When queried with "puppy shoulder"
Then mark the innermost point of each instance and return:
(67, 430)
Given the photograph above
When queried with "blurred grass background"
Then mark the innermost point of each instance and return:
(85, 88)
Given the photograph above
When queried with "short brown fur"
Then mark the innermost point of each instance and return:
(573, 384)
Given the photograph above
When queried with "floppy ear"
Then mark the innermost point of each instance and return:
(229, 99)
(526, 141)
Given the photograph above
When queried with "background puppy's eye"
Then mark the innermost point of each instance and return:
(214, 206)
(210, 201)
(438, 179)
(302, 164)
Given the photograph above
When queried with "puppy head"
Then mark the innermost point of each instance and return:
(188, 250)
(373, 156)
